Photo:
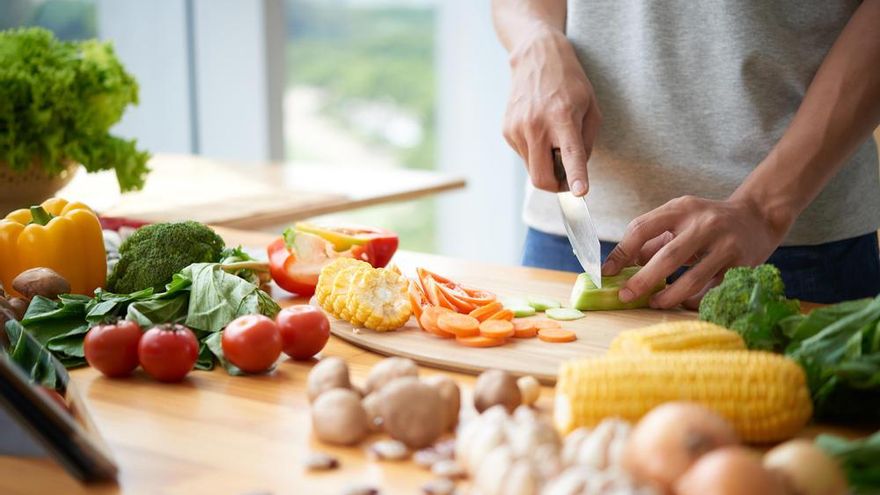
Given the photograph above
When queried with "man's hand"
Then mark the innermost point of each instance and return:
(551, 105)
(710, 236)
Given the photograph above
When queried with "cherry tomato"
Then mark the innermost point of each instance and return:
(168, 352)
(304, 330)
(113, 349)
(252, 342)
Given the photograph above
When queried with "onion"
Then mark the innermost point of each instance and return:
(806, 469)
(729, 471)
(670, 438)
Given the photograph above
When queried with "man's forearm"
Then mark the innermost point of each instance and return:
(839, 111)
(518, 20)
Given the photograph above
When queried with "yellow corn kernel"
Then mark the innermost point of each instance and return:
(692, 335)
(328, 273)
(379, 300)
(763, 395)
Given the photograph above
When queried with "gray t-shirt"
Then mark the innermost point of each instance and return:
(694, 95)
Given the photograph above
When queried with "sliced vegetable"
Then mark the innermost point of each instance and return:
(480, 341)
(416, 299)
(504, 314)
(484, 312)
(375, 245)
(541, 324)
(296, 260)
(429, 321)
(564, 314)
(586, 297)
(556, 335)
(524, 329)
(522, 311)
(458, 324)
(542, 303)
(498, 329)
(443, 291)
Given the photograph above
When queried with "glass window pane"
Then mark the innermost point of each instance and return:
(68, 19)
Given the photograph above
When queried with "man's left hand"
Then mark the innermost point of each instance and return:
(708, 236)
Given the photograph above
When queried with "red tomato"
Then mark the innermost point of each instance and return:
(252, 343)
(168, 352)
(304, 330)
(113, 349)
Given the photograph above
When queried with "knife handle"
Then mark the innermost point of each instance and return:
(559, 170)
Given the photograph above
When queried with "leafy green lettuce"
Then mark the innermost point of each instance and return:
(58, 101)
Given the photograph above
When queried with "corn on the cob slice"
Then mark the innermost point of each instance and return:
(343, 285)
(328, 273)
(378, 300)
(692, 335)
(764, 395)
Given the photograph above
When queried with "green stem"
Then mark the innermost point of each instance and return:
(40, 216)
(257, 266)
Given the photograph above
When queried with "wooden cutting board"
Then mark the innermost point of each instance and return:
(520, 356)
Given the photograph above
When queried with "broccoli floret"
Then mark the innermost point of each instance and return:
(153, 254)
(752, 302)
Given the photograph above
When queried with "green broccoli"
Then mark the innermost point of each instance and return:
(153, 254)
(752, 302)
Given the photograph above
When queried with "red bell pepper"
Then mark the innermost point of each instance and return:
(296, 259)
(377, 245)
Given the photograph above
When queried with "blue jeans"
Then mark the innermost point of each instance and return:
(825, 273)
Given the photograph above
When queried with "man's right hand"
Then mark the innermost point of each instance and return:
(551, 105)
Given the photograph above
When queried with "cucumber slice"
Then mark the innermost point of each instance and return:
(521, 311)
(514, 302)
(543, 303)
(564, 314)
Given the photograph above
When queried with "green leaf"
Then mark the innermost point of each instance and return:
(218, 297)
(860, 460)
(159, 310)
(34, 359)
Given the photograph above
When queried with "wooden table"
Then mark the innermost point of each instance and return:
(219, 434)
(251, 195)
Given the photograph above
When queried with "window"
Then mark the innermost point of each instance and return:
(68, 19)
(361, 91)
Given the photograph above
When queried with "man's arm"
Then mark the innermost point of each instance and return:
(551, 102)
(839, 111)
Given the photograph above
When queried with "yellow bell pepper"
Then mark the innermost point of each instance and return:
(65, 237)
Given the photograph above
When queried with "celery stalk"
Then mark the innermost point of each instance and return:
(586, 297)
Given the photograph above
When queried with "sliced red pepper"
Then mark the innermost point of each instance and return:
(377, 245)
(296, 260)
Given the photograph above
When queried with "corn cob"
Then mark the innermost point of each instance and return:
(763, 395)
(693, 335)
(328, 273)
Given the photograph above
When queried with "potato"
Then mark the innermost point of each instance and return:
(670, 438)
(729, 471)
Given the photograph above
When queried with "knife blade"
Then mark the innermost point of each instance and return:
(578, 224)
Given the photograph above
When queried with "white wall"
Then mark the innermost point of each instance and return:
(483, 222)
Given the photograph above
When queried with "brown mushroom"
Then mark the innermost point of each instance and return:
(43, 282)
(20, 306)
(387, 370)
(328, 374)
(339, 418)
(451, 396)
(371, 404)
(412, 412)
(496, 387)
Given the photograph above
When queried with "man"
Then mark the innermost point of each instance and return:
(715, 132)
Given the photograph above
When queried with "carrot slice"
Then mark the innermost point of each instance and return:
(458, 324)
(547, 324)
(556, 335)
(504, 314)
(524, 329)
(480, 341)
(484, 312)
(428, 321)
(416, 299)
(454, 297)
(497, 329)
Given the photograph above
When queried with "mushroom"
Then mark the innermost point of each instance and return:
(387, 370)
(371, 404)
(529, 389)
(40, 282)
(496, 387)
(328, 374)
(411, 412)
(19, 305)
(451, 396)
(339, 418)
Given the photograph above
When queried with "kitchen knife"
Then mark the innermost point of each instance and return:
(578, 224)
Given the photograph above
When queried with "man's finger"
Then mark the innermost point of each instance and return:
(574, 157)
(638, 232)
(651, 247)
(540, 162)
(589, 131)
(692, 282)
(664, 263)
